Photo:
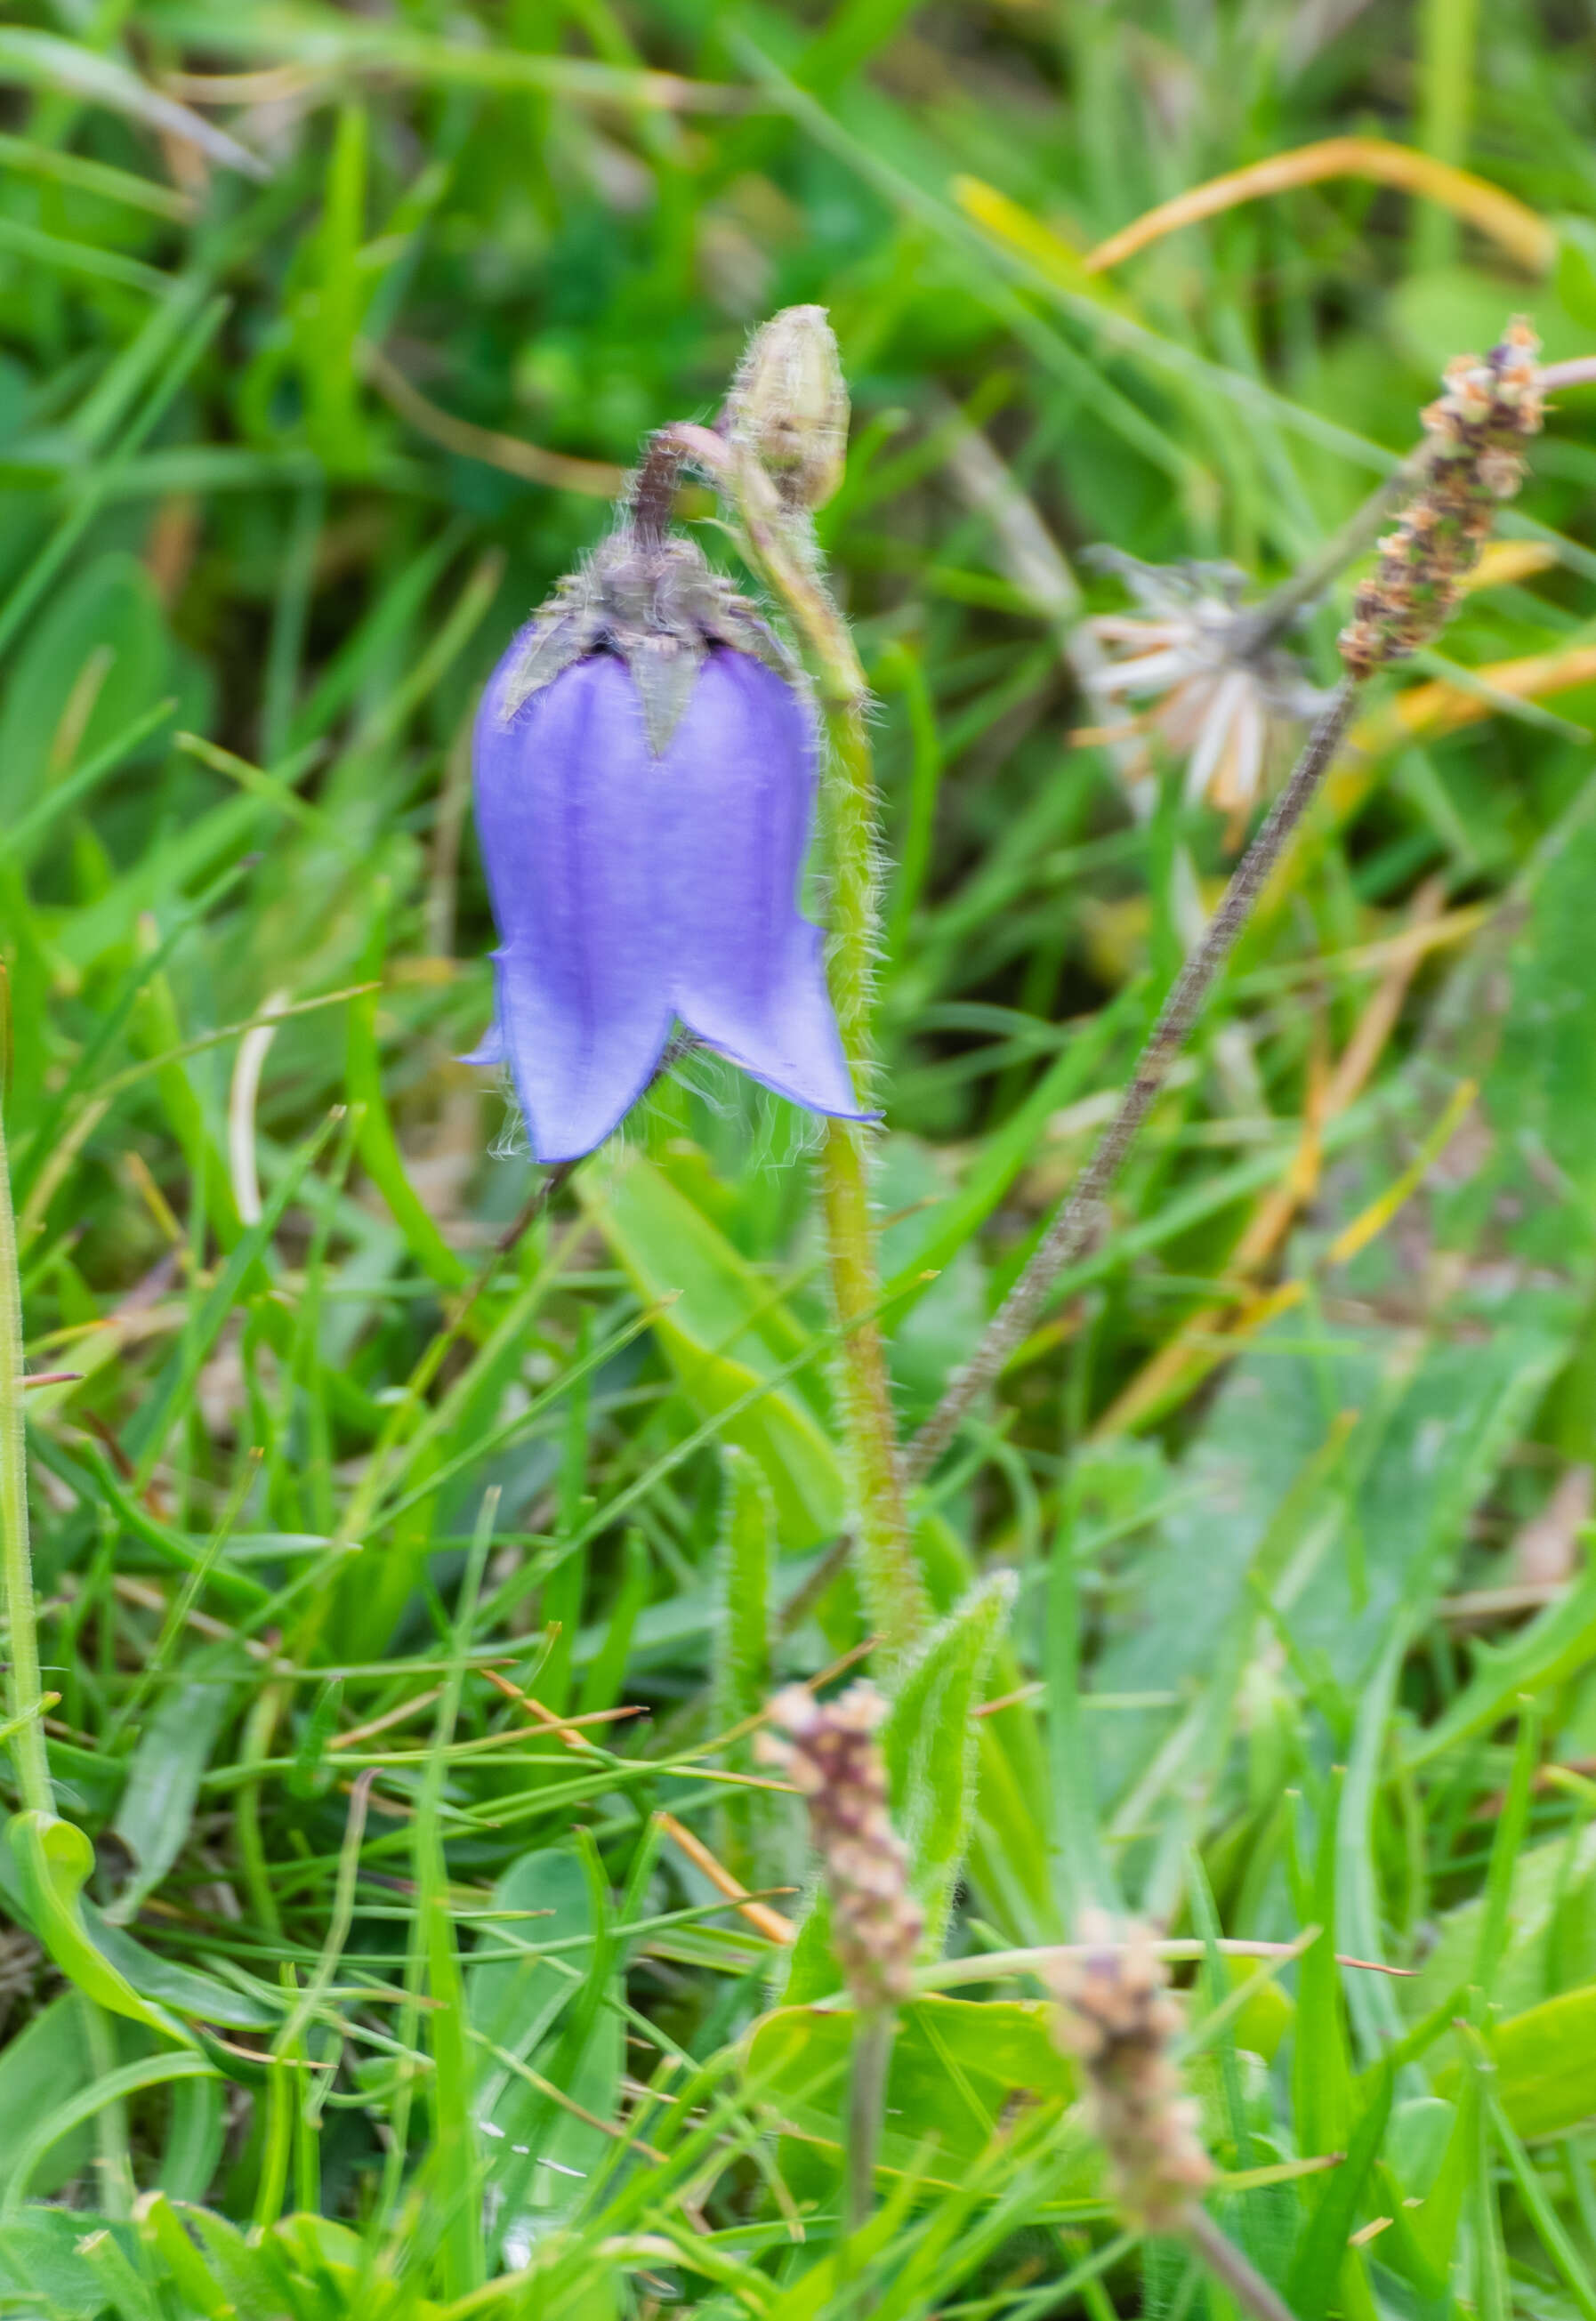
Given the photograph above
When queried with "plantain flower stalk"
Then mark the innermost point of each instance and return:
(1116, 2018)
(829, 1752)
(1476, 429)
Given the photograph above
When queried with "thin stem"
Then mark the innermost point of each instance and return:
(1067, 1235)
(782, 543)
(654, 492)
(1448, 31)
(867, 2105)
(111, 2136)
(1232, 2270)
(24, 1687)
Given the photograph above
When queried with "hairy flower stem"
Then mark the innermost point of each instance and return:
(1072, 1225)
(23, 1688)
(780, 541)
(873, 2034)
(895, 1596)
(1233, 2270)
(653, 488)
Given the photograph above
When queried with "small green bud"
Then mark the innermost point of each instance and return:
(789, 405)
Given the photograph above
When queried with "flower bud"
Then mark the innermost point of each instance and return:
(788, 404)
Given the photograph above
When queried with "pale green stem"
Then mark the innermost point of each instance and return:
(111, 2136)
(1448, 31)
(23, 1683)
(1233, 2270)
(782, 543)
(866, 2104)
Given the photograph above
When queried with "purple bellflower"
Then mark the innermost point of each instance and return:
(646, 774)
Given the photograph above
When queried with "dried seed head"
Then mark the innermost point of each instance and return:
(1116, 2018)
(1476, 429)
(789, 405)
(1219, 697)
(828, 1752)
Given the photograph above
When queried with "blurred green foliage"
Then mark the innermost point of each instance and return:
(324, 334)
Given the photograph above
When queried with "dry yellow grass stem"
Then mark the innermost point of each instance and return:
(596, 478)
(1507, 222)
(769, 1923)
(1440, 707)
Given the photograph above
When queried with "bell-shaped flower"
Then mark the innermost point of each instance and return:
(645, 773)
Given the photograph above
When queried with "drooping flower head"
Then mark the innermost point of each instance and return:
(645, 770)
(1220, 696)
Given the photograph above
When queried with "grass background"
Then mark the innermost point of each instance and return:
(1303, 1616)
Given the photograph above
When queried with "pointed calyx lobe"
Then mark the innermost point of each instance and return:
(645, 770)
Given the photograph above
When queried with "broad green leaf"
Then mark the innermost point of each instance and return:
(1546, 2064)
(54, 1859)
(40, 2270)
(1429, 1438)
(1438, 312)
(512, 2003)
(98, 659)
(452, 2158)
(1574, 274)
(565, 2027)
(1544, 1080)
(1322, 2096)
(66, 2113)
(744, 1570)
(162, 1784)
(1267, 2016)
(41, 1877)
(48, 2058)
(1551, 1915)
(548, 2015)
(959, 2071)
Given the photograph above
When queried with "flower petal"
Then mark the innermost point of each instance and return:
(569, 805)
(747, 967)
(1214, 739)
